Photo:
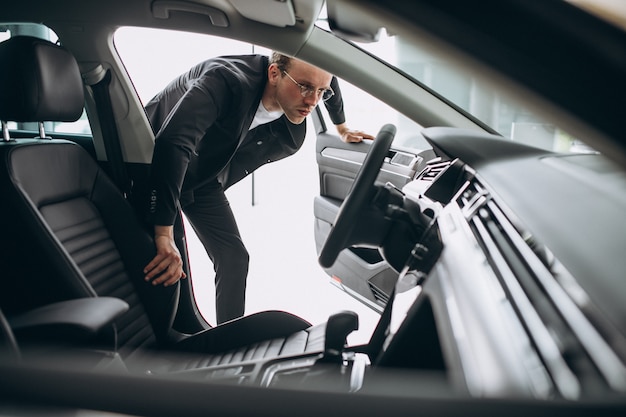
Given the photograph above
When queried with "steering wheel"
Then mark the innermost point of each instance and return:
(341, 233)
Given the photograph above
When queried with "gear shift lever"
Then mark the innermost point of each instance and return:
(338, 327)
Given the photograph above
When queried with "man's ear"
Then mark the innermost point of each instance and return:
(273, 73)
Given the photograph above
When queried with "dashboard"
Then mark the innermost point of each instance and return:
(501, 296)
(511, 317)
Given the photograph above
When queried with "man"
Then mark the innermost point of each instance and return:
(215, 125)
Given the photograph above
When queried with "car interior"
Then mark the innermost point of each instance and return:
(496, 266)
(89, 234)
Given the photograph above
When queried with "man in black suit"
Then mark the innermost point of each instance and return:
(214, 125)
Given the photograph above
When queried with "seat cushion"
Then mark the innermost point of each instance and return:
(308, 341)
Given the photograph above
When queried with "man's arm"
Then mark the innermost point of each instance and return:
(351, 136)
(335, 110)
(167, 266)
(191, 115)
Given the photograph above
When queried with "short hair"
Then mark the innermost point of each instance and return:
(282, 61)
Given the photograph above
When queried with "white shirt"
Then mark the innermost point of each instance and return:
(263, 116)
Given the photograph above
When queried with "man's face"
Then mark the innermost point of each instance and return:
(288, 93)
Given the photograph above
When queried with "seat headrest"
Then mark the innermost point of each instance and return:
(39, 81)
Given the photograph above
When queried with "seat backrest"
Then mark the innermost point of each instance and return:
(67, 230)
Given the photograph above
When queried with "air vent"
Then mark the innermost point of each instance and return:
(381, 297)
(382, 285)
(432, 171)
(473, 197)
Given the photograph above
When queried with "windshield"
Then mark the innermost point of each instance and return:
(477, 97)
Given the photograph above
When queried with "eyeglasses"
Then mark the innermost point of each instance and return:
(307, 91)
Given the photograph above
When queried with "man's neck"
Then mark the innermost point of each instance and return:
(268, 99)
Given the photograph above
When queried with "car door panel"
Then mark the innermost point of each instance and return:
(339, 162)
(361, 272)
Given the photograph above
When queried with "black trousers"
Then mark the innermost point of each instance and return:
(211, 217)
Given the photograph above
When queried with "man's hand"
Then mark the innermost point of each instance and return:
(351, 136)
(167, 266)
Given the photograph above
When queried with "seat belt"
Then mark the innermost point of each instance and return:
(98, 81)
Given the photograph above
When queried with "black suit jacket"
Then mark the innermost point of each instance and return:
(201, 122)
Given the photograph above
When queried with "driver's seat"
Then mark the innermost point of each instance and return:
(65, 220)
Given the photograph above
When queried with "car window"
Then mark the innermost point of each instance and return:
(478, 98)
(154, 57)
(81, 126)
(367, 113)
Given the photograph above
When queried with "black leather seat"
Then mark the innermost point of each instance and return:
(69, 233)
(68, 328)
